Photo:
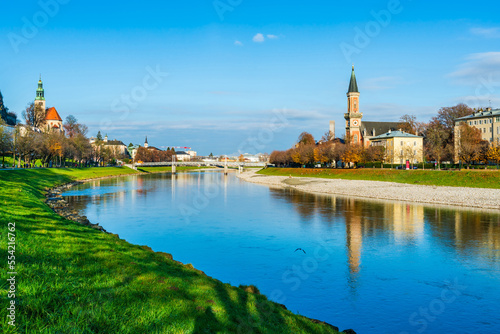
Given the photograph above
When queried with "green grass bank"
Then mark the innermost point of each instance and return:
(74, 279)
(463, 178)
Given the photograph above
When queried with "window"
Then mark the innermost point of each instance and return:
(480, 121)
(401, 143)
(401, 152)
(475, 122)
(470, 123)
(415, 152)
(414, 143)
(490, 130)
(484, 130)
(498, 130)
(491, 120)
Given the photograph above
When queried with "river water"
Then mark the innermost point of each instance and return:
(376, 267)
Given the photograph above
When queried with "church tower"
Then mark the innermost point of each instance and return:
(40, 96)
(353, 116)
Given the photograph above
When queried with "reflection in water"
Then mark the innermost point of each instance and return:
(465, 230)
(388, 260)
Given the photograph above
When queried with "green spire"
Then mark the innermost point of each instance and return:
(353, 85)
(40, 94)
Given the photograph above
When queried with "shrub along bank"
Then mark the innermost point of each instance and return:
(463, 178)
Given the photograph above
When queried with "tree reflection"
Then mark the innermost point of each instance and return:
(466, 231)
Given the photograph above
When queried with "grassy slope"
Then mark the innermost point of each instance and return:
(463, 178)
(74, 279)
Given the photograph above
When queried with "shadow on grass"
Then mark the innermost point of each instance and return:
(76, 279)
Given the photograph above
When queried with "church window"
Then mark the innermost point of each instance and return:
(355, 138)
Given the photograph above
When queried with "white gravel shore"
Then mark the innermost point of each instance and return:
(456, 196)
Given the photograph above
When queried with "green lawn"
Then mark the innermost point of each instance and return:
(463, 178)
(74, 279)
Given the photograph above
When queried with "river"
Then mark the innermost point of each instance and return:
(376, 267)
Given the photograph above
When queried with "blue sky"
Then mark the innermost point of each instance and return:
(239, 75)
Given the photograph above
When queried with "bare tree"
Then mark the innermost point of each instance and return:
(73, 128)
(34, 115)
(447, 115)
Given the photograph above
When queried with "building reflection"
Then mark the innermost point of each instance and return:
(470, 234)
(467, 232)
(354, 238)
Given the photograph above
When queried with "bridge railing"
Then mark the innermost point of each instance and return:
(202, 163)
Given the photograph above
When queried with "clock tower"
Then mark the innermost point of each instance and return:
(353, 116)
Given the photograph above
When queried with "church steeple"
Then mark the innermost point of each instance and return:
(146, 142)
(353, 116)
(40, 94)
(353, 85)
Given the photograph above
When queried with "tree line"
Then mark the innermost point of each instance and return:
(439, 144)
(28, 145)
(153, 155)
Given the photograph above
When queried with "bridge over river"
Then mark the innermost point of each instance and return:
(219, 164)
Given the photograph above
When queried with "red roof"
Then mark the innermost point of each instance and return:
(53, 115)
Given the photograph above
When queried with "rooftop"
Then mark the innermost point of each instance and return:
(53, 115)
(378, 127)
(480, 114)
(395, 134)
(114, 142)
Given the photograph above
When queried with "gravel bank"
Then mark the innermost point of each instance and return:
(456, 196)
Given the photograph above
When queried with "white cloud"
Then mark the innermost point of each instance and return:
(391, 112)
(479, 101)
(272, 36)
(479, 69)
(259, 38)
(486, 32)
(238, 43)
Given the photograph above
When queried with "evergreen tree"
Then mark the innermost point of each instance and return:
(8, 117)
(99, 136)
(3, 109)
